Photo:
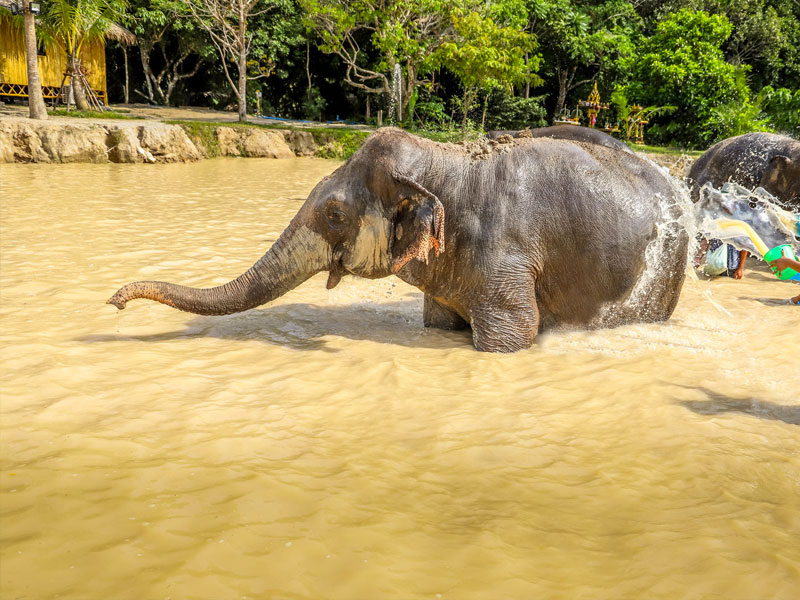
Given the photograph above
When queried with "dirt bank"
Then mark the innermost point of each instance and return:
(140, 141)
(65, 140)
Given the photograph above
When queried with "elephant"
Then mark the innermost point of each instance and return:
(567, 132)
(506, 238)
(752, 160)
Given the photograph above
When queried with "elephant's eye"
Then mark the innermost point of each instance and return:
(336, 217)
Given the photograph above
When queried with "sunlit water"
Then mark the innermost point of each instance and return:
(328, 446)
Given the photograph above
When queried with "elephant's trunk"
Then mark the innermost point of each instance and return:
(298, 254)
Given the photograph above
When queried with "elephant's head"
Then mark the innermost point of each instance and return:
(782, 179)
(369, 218)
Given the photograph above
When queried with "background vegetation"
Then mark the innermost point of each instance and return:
(717, 67)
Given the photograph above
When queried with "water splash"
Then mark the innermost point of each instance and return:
(762, 223)
(396, 98)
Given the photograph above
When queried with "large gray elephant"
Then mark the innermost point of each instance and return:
(505, 238)
(752, 160)
(576, 133)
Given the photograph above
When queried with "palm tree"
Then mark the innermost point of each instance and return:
(72, 23)
(36, 107)
(28, 21)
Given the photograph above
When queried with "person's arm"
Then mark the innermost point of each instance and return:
(740, 270)
(701, 252)
(784, 262)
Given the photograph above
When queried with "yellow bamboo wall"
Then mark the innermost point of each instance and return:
(13, 68)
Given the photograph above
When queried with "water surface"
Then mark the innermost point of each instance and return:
(328, 446)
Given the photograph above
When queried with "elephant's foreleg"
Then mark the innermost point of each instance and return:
(441, 317)
(508, 324)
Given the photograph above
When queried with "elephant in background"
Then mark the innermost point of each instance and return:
(575, 133)
(506, 238)
(752, 160)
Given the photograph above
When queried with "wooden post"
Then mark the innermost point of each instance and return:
(380, 118)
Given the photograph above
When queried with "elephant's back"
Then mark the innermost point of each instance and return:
(742, 159)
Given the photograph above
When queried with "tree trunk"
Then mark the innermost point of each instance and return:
(77, 83)
(528, 80)
(308, 70)
(144, 52)
(297, 255)
(465, 108)
(485, 106)
(127, 85)
(242, 66)
(36, 107)
(562, 91)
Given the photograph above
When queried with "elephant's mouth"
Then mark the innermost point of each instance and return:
(337, 270)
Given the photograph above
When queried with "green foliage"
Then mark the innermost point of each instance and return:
(514, 112)
(203, 135)
(782, 106)
(488, 51)
(682, 65)
(71, 23)
(478, 59)
(431, 112)
(313, 105)
(623, 110)
(337, 143)
(734, 119)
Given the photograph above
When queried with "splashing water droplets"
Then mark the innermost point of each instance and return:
(396, 97)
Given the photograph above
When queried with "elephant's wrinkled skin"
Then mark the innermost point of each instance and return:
(505, 237)
(575, 133)
(752, 160)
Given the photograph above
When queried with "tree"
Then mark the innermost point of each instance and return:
(36, 107)
(72, 23)
(397, 33)
(766, 36)
(226, 23)
(682, 64)
(163, 25)
(582, 40)
(486, 54)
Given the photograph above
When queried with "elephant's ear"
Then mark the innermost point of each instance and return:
(418, 224)
(780, 162)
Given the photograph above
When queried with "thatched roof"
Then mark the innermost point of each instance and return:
(120, 34)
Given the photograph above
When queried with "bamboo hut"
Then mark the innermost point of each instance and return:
(52, 63)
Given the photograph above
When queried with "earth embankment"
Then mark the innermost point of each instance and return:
(65, 141)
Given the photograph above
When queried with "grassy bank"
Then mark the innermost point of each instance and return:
(90, 114)
(332, 142)
(668, 150)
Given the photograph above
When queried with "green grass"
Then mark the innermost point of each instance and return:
(335, 142)
(90, 114)
(665, 150)
(202, 134)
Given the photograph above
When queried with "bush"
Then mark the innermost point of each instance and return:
(782, 106)
(431, 113)
(505, 111)
(682, 65)
(313, 105)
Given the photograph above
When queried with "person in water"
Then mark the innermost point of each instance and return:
(784, 262)
(732, 264)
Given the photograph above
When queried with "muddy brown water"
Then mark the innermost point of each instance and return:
(328, 446)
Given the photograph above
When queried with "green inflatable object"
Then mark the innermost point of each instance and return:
(777, 252)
